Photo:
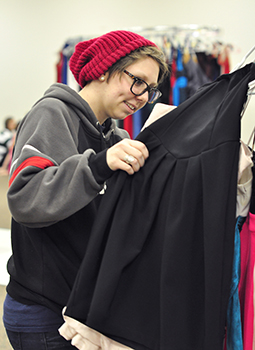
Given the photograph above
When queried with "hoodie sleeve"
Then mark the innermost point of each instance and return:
(49, 179)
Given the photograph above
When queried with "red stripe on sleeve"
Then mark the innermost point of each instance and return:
(38, 162)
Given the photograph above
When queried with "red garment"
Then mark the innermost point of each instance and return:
(223, 61)
(59, 66)
(246, 285)
(128, 125)
(172, 80)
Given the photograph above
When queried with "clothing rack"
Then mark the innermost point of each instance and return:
(192, 36)
(182, 30)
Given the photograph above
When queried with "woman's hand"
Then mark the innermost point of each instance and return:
(128, 155)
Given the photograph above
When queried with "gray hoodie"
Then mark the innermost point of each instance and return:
(51, 177)
(58, 171)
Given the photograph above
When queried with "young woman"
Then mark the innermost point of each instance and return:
(66, 148)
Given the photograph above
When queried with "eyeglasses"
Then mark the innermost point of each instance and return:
(139, 87)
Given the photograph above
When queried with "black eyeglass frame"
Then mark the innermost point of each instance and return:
(148, 88)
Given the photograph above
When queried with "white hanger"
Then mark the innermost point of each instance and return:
(252, 135)
(250, 92)
(251, 85)
(239, 65)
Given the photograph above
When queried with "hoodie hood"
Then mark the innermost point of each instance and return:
(70, 97)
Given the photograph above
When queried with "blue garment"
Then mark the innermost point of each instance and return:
(64, 66)
(234, 325)
(38, 341)
(179, 88)
(179, 92)
(137, 123)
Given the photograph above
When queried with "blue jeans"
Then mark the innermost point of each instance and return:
(38, 341)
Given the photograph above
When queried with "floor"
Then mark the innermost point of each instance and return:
(5, 251)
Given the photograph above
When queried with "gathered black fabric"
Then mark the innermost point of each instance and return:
(158, 267)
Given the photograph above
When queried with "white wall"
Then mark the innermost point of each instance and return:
(33, 31)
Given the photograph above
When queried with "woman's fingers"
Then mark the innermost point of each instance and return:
(128, 155)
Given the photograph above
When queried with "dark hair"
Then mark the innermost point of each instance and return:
(141, 52)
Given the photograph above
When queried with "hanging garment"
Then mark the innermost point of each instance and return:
(245, 180)
(223, 60)
(172, 76)
(180, 85)
(246, 285)
(195, 76)
(209, 64)
(158, 267)
(234, 324)
(128, 125)
(59, 67)
(234, 337)
(137, 122)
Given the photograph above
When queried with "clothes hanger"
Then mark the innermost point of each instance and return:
(253, 141)
(239, 65)
(251, 85)
(250, 92)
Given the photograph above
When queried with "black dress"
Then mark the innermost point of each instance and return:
(157, 271)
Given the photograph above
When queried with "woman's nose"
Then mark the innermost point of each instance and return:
(143, 98)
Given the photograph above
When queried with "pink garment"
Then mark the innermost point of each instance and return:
(159, 110)
(246, 285)
(253, 347)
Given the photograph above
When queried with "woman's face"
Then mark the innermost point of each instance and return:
(117, 100)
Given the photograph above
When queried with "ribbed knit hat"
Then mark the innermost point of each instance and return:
(94, 57)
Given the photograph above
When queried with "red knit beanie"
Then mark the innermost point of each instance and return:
(94, 57)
